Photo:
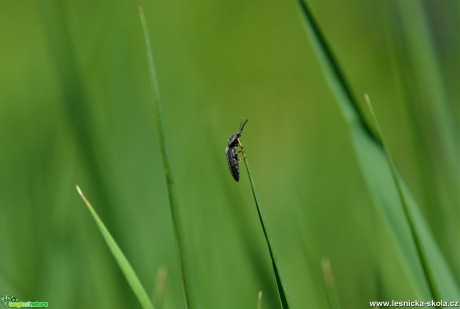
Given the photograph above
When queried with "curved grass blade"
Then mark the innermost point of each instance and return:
(122, 262)
(175, 214)
(278, 275)
(424, 261)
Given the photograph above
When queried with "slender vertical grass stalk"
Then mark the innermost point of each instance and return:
(332, 296)
(259, 300)
(415, 236)
(121, 259)
(428, 75)
(175, 214)
(75, 100)
(279, 278)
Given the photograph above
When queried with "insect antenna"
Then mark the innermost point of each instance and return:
(242, 124)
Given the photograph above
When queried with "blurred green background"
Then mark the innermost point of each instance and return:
(76, 109)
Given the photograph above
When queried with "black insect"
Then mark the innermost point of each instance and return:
(231, 152)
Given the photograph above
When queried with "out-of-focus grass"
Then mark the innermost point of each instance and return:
(179, 236)
(425, 263)
(421, 73)
(218, 61)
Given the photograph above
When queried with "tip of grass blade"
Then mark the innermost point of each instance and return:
(369, 105)
(327, 271)
(161, 283)
(83, 197)
(332, 296)
(367, 99)
(259, 300)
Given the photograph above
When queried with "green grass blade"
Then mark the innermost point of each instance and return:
(424, 81)
(278, 275)
(434, 278)
(435, 282)
(175, 214)
(408, 214)
(123, 263)
(334, 75)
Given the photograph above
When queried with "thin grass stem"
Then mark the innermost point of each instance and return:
(279, 279)
(175, 213)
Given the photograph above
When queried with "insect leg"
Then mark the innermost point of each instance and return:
(240, 144)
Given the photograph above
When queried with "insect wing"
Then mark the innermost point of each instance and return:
(233, 162)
